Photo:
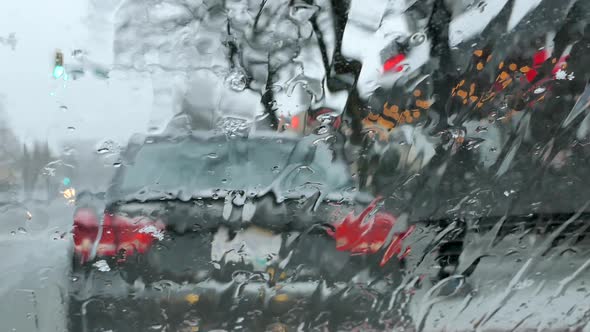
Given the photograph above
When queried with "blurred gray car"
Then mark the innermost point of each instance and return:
(201, 228)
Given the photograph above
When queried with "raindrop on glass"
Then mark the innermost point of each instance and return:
(417, 38)
(482, 6)
(322, 130)
(236, 80)
(481, 129)
(539, 90)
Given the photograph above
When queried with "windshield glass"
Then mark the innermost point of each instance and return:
(295, 165)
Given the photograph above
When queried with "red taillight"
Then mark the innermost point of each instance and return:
(394, 63)
(366, 234)
(531, 75)
(85, 232)
(107, 245)
(540, 57)
(136, 235)
(118, 234)
(295, 122)
(395, 247)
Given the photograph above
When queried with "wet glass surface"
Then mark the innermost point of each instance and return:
(254, 165)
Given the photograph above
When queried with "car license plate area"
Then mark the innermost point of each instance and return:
(253, 246)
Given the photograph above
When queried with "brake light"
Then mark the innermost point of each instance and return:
(107, 244)
(295, 122)
(540, 57)
(394, 63)
(118, 234)
(136, 235)
(366, 234)
(85, 232)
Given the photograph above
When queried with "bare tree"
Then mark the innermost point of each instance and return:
(9, 156)
(9, 147)
(33, 165)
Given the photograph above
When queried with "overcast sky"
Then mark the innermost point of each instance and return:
(97, 108)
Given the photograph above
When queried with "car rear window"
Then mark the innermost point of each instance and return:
(206, 167)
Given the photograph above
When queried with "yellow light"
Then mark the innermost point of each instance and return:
(69, 193)
(192, 298)
(281, 298)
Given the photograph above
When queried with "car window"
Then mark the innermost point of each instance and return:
(203, 168)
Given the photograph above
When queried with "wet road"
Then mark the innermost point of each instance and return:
(34, 267)
(513, 294)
